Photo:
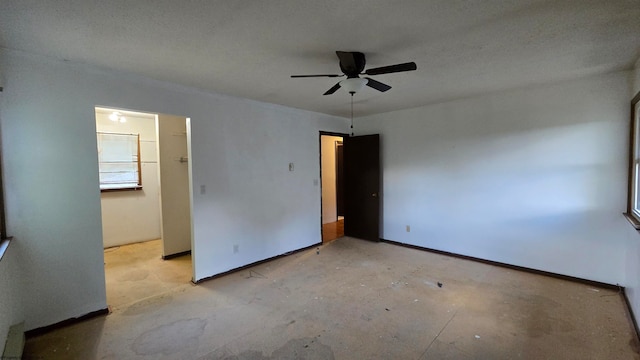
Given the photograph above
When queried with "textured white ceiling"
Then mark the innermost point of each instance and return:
(249, 48)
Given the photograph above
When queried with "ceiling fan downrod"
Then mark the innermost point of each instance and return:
(352, 112)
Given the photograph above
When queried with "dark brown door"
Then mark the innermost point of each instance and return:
(362, 187)
(339, 179)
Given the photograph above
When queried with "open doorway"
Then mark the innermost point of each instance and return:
(332, 185)
(143, 162)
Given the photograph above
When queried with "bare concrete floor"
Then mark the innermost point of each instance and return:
(136, 271)
(359, 300)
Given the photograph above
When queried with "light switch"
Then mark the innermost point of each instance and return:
(290, 166)
(203, 189)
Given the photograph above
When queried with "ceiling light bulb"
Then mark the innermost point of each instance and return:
(123, 119)
(353, 85)
(113, 116)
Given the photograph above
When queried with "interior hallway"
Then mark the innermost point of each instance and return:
(332, 231)
(358, 300)
(136, 271)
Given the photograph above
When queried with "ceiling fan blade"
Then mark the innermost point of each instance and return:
(377, 85)
(319, 75)
(392, 69)
(333, 89)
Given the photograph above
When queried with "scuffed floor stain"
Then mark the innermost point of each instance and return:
(170, 338)
(147, 305)
(134, 275)
(304, 348)
(245, 355)
(536, 314)
(298, 349)
(547, 325)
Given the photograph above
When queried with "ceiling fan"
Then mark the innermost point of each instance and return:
(352, 65)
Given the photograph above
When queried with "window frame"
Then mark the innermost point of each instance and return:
(138, 160)
(633, 210)
(3, 220)
(4, 238)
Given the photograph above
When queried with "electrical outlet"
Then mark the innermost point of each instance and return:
(408, 228)
(203, 189)
(236, 248)
(290, 166)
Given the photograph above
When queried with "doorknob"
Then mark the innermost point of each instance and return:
(374, 194)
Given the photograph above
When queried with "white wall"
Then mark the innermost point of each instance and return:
(329, 200)
(133, 216)
(252, 201)
(534, 177)
(240, 153)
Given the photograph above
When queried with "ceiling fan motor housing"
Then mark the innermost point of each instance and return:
(352, 63)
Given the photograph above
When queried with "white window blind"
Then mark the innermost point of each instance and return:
(119, 161)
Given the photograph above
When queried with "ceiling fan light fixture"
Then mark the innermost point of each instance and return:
(353, 85)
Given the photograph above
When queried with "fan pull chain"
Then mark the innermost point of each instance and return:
(351, 114)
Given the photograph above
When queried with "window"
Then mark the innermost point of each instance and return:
(633, 202)
(119, 161)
